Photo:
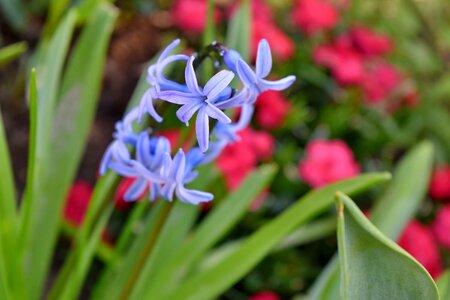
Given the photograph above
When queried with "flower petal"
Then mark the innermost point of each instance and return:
(168, 49)
(146, 105)
(186, 112)
(217, 84)
(215, 113)
(202, 129)
(178, 167)
(263, 59)
(177, 97)
(245, 73)
(192, 196)
(190, 77)
(277, 85)
(106, 159)
(136, 190)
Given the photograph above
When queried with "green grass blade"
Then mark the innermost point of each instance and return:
(11, 52)
(216, 225)
(210, 284)
(395, 208)
(443, 284)
(373, 266)
(239, 30)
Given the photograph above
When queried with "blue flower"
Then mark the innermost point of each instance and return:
(177, 173)
(254, 82)
(207, 101)
(159, 82)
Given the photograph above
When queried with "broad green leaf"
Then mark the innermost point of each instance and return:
(216, 225)
(443, 284)
(210, 284)
(391, 213)
(239, 30)
(11, 52)
(372, 266)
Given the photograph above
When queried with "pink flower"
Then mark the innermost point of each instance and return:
(380, 82)
(190, 15)
(369, 42)
(271, 109)
(418, 241)
(280, 43)
(439, 188)
(265, 295)
(345, 63)
(312, 16)
(327, 162)
(441, 226)
(240, 158)
(77, 202)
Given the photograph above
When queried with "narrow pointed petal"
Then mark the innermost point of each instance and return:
(136, 189)
(263, 59)
(190, 77)
(168, 49)
(216, 113)
(178, 166)
(202, 129)
(107, 157)
(120, 152)
(217, 84)
(177, 97)
(186, 112)
(277, 85)
(245, 73)
(193, 196)
(142, 171)
(234, 101)
(168, 190)
(146, 105)
(245, 117)
(123, 169)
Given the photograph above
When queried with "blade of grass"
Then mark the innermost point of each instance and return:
(11, 52)
(216, 225)
(210, 284)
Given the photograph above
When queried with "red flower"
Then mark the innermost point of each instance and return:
(190, 15)
(77, 202)
(266, 295)
(418, 241)
(271, 109)
(369, 42)
(312, 16)
(441, 226)
(327, 162)
(439, 188)
(281, 44)
(380, 82)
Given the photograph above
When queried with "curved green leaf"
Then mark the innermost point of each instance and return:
(443, 284)
(372, 266)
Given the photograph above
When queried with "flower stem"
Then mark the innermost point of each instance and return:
(145, 254)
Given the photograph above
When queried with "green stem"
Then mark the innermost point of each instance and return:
(147, 250)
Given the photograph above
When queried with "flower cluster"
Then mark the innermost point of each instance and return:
(147, 158)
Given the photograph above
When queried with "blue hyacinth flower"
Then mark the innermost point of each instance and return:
(177, 173)
(254, 82)
(208, 101)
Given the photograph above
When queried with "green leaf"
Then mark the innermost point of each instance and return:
(406, 191)
(210, 284)
(239, 30)
(219, 222)
(372, 266)
(443, 284)
(391, 213)
(11, 52)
